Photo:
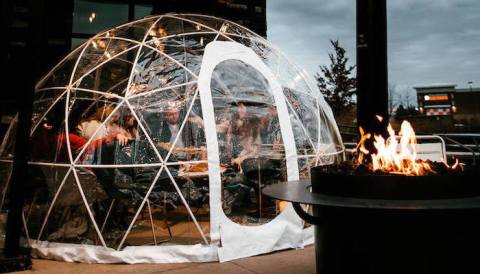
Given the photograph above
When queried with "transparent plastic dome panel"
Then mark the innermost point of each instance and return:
(119, 146)
(250, 141)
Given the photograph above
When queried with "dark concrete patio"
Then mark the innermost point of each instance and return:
(301, 261)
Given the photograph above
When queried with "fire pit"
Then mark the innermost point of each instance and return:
(344, 180)
(390, 217)
(394, 172)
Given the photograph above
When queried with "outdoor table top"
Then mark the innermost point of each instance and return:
(299, 192)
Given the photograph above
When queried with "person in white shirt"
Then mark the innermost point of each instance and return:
(89, 126)
(171, 126)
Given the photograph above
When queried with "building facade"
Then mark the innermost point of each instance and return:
(461, 105)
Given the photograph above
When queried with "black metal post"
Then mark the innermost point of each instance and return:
(131, 10)
(372, 75)
(6, 21)
(27, 76)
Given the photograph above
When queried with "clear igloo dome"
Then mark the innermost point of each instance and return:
(174, 125)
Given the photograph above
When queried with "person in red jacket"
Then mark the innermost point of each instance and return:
(77, 143)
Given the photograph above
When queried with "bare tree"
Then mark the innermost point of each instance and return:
(407, 99)
(392, 94)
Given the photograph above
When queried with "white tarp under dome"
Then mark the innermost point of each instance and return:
(174, 125)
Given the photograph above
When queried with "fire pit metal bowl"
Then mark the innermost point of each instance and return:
(333, 180)
(389, 224)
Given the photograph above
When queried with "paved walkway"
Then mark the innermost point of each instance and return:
(301, 261)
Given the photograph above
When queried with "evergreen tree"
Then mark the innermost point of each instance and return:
(335, 81)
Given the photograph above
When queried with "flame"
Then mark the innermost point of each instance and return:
(397, 154)
(361, 145)
(457, 165)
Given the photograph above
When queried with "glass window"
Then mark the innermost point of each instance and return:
(77, 42)
(142, 11)
(91, 17)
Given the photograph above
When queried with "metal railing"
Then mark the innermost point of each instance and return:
(462, 145)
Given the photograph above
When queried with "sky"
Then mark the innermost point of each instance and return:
(429, 41)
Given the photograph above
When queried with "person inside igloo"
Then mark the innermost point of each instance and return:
(152, 141)
(249, 143)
